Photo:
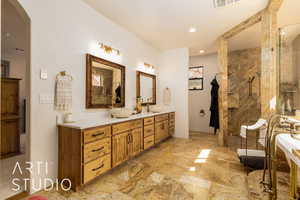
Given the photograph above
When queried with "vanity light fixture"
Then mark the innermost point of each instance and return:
(108, 49)
(201, 51)
(147, 68)
(192, 30)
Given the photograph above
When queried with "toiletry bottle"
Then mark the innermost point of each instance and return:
(138, 105)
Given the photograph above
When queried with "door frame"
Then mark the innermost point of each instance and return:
(27, 21)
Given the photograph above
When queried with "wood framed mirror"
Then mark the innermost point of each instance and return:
(146, 88)
(105, 83)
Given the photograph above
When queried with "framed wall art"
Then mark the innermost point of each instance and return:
(196, 78)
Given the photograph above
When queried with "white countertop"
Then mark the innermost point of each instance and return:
(286, 143)
(90, 123)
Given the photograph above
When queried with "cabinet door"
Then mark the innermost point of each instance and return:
(165, 130)
(158, 132)
(161, 131)
(10, 137)
(135, 146)
(120, 144)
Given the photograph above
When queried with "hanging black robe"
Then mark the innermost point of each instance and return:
(214, 105)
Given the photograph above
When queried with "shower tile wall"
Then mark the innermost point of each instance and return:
(290, 71)
(243, 109)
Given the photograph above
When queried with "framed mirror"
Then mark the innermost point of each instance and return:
(105, 83)
(146, 88)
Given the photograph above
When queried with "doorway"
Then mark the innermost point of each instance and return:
(15, 98)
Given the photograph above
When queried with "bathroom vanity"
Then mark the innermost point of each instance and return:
(88, 149)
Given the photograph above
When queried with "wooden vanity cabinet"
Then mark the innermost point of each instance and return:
(85, 154)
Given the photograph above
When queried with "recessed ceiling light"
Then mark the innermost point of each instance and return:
(201, 51)
(192, 30)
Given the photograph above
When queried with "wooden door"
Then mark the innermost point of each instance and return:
(135, 145)
(10, 137)
(120, 145)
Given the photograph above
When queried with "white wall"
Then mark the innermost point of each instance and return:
(62, 32)
(174, 75)
(201, 99)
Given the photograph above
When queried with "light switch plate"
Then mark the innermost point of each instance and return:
(44, 74)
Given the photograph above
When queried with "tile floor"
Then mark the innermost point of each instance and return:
(6, 175)
(6, 171)
(178, 169)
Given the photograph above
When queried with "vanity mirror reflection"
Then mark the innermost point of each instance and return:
(146, 88)
(105, 83)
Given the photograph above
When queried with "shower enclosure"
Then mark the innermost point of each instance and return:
(289, 70)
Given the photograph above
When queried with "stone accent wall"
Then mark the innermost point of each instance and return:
(243, 64)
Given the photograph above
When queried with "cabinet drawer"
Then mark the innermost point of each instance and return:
(161, 117)
(172, 123)
(148, 130)
(137, 123)
(148, 121)
(172, 115)
(148, 142)
(94, 168)
(95, 134)
(121, 127)
(96, 149)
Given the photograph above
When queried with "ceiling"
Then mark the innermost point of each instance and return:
(164, 24)
(288, 20)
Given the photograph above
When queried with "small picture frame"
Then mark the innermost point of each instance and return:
(196, 78)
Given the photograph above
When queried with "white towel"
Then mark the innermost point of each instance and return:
(63, 96)
(261, 123)
(262, 135)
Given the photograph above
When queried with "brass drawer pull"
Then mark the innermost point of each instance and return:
(149, 141)
(149, 130)
(97, 134)
(98, 167)
(128, 139)
(100, 149)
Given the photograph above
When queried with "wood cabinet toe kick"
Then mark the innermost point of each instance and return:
(85, 154)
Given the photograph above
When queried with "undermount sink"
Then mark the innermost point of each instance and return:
(121, 113)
